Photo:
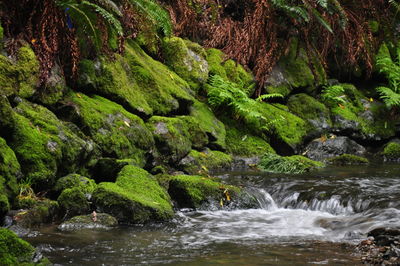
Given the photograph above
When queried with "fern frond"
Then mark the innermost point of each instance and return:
(322, 20)
(269, 96)
(342, 13)
(112, 21)
(333, 95)
(390, 97)
(110, 5)
(322, 3)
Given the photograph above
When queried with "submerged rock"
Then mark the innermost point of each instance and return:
(204, 193)
(321, 149)
(295, 164)
(90, 221)
(347, 159)
(135, 197)
(391, 152)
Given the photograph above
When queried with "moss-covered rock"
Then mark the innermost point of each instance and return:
(295, 164)
(311, 110)
(13, 250)
(53, 88)
(90, 221)
(200, 163)
(85, 184)
(189, 63)
(73, 201)
(9, 171)
(35, 212)
(201, 192)
(135, 197)
(19, 76)
(230, 70)
(107, 169)
(119, 133)
(142, 85)
(175, 136)
(391, 152)
(347, 159)
(46, 146)
(240, 141)
(209, 123)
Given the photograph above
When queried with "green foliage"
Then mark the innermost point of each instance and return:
(269, 96)
(158, 15)
(392, 151)
(296, 164)
(13, 250)
(333, 95)
(391, 69)
(347, 159)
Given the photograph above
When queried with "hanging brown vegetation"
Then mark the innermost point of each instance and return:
(257, 32)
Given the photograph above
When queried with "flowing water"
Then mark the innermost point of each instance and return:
(314, 218)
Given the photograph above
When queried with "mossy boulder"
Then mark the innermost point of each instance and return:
(53, 88)
(19, 76)
(200, 192)
(13, 250)
(230, 70)
(73, 201)
(118, 133)
(201, 163)
(107, 169)
(135, 197)
(360, 117)
(86, 185)
(136, 81)
(35, 212)
(347, 159)
(47, 147)
(391, 152)
(9, 171)
(210, 124)
(295, 164)
(311, 110)
(100, 221)
(186, 59)
(175, 136)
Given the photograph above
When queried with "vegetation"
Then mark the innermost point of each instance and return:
(295, 164)
(347, 159)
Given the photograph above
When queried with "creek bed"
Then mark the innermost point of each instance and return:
(315, 218)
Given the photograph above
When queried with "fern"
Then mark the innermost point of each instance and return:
(333, 95)
(107, 16)
(156, 14)
(389, 97)
(269, 96)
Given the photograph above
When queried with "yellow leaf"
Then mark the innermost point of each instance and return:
(221, 202)
(341, 106)
(79, 96)
(127, 124)
(371, 100)
(204, 168)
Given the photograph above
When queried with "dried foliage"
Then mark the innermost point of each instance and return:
(257, 32)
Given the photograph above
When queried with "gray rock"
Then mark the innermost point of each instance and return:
(319, 149)
(102, 221)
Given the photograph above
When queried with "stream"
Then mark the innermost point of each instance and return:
(314, 218)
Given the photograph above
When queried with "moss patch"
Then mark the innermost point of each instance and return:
(141, 84)
(9, 169)
(197, 192)
(295, 164)
(347, 159)
(73, 201)
(102, 221)
(36, 211)
(13, 250)
(19, 76)
(119, 133)
(135, 197)
(391, 151)
(189, 63)
(200, 163)
(85, 184)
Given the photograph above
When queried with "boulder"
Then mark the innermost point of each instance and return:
(135, 197)
(347, 159)
(201, 163)
(391, 151)
(90, 221)
(322, 148)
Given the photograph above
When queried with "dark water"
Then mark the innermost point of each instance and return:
(304, 219)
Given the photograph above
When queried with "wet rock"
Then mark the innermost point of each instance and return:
(347, 159)
(386, 236)
(391, 151)
(198, 163)
(90, 221)
(244, 163)
(34, 212)
(321, 149)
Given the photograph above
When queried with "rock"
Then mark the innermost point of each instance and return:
(136, 81)
(245, 163)
(385, 236)
(19, 77)
(187, 59)
(321, 149)
(295, 164)
(53, 88)
(46, 146)
(102, 221)
(135, 197)
(118, 133)
(13, 250)
(86, 185)
(204, 193)
(35, 212)
(73, 201)
(347, 159)
(201, 163)
(391, 151)
(107, 169)
(230, 70)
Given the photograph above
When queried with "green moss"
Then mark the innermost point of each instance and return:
(1, 33)
(187, 63)
(283, 89)
(85, 184)
(45, 146)
(295, 164)
(9, 168)
(208, 123)
(73, 201)
(308, 108)
(139, 83)
(200, 163)
(35, 211)
(198, 192)
(392, 151)
(13, 250)
(241, 142)
(135, 197)
(119, 133)
(347, 159)
(103, 220)
(374, 26)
